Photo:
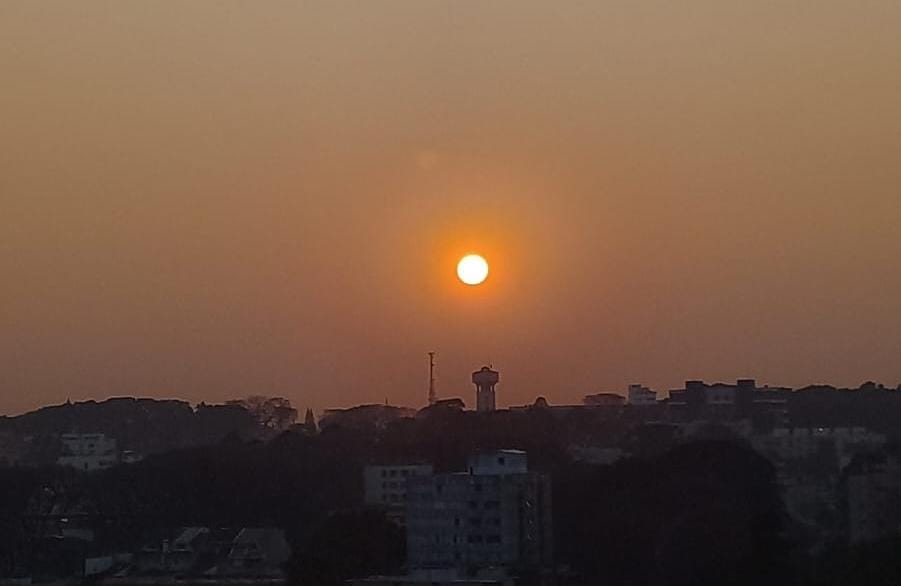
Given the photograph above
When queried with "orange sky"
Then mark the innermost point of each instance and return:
(211, 199)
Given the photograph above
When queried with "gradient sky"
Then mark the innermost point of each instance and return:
(206, 200)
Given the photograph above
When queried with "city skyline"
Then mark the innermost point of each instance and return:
(635, 394)
(209, 200)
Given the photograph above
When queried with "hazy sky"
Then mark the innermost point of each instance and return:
(208, 199)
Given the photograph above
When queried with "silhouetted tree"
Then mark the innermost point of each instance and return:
(348, 545)
(275, 413)
(706, 512)
(870, 564)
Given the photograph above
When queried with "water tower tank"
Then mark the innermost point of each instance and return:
(485, 380)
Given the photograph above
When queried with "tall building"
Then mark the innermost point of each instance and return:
(485, 380)
(496, 514)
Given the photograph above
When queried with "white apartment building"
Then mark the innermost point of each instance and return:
(497, 514)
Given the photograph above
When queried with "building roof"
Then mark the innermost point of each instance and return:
(188, 536)
(268, 542)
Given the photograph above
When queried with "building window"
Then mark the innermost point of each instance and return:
(502, 461)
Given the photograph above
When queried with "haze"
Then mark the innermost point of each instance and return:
(207, 200)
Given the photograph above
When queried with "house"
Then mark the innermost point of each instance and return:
(258, 551)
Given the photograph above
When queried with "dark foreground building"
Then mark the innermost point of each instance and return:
(496, 514)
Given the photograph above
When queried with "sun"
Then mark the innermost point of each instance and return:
(472, 269)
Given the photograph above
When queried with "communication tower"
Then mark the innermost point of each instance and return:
(433, 396)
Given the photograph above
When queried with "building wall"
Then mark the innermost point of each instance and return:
(498, 462)
(719, 394)
(724, 402)
(874, 502)
(88, 451)
(386, 486)
(641, 396)
(468, 520)
(795, 443)
(604, 400)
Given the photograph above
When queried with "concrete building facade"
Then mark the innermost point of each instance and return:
(498, 514)
(386, 487)
(641, 396)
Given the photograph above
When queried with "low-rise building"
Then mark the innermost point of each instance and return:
(258, 551)
(181, 553)
(641, 396)
(722, 401)
(88, 451)
(604, 400)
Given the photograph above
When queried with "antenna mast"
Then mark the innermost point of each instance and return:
(433, 397)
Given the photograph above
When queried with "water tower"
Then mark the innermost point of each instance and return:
(485, 379)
